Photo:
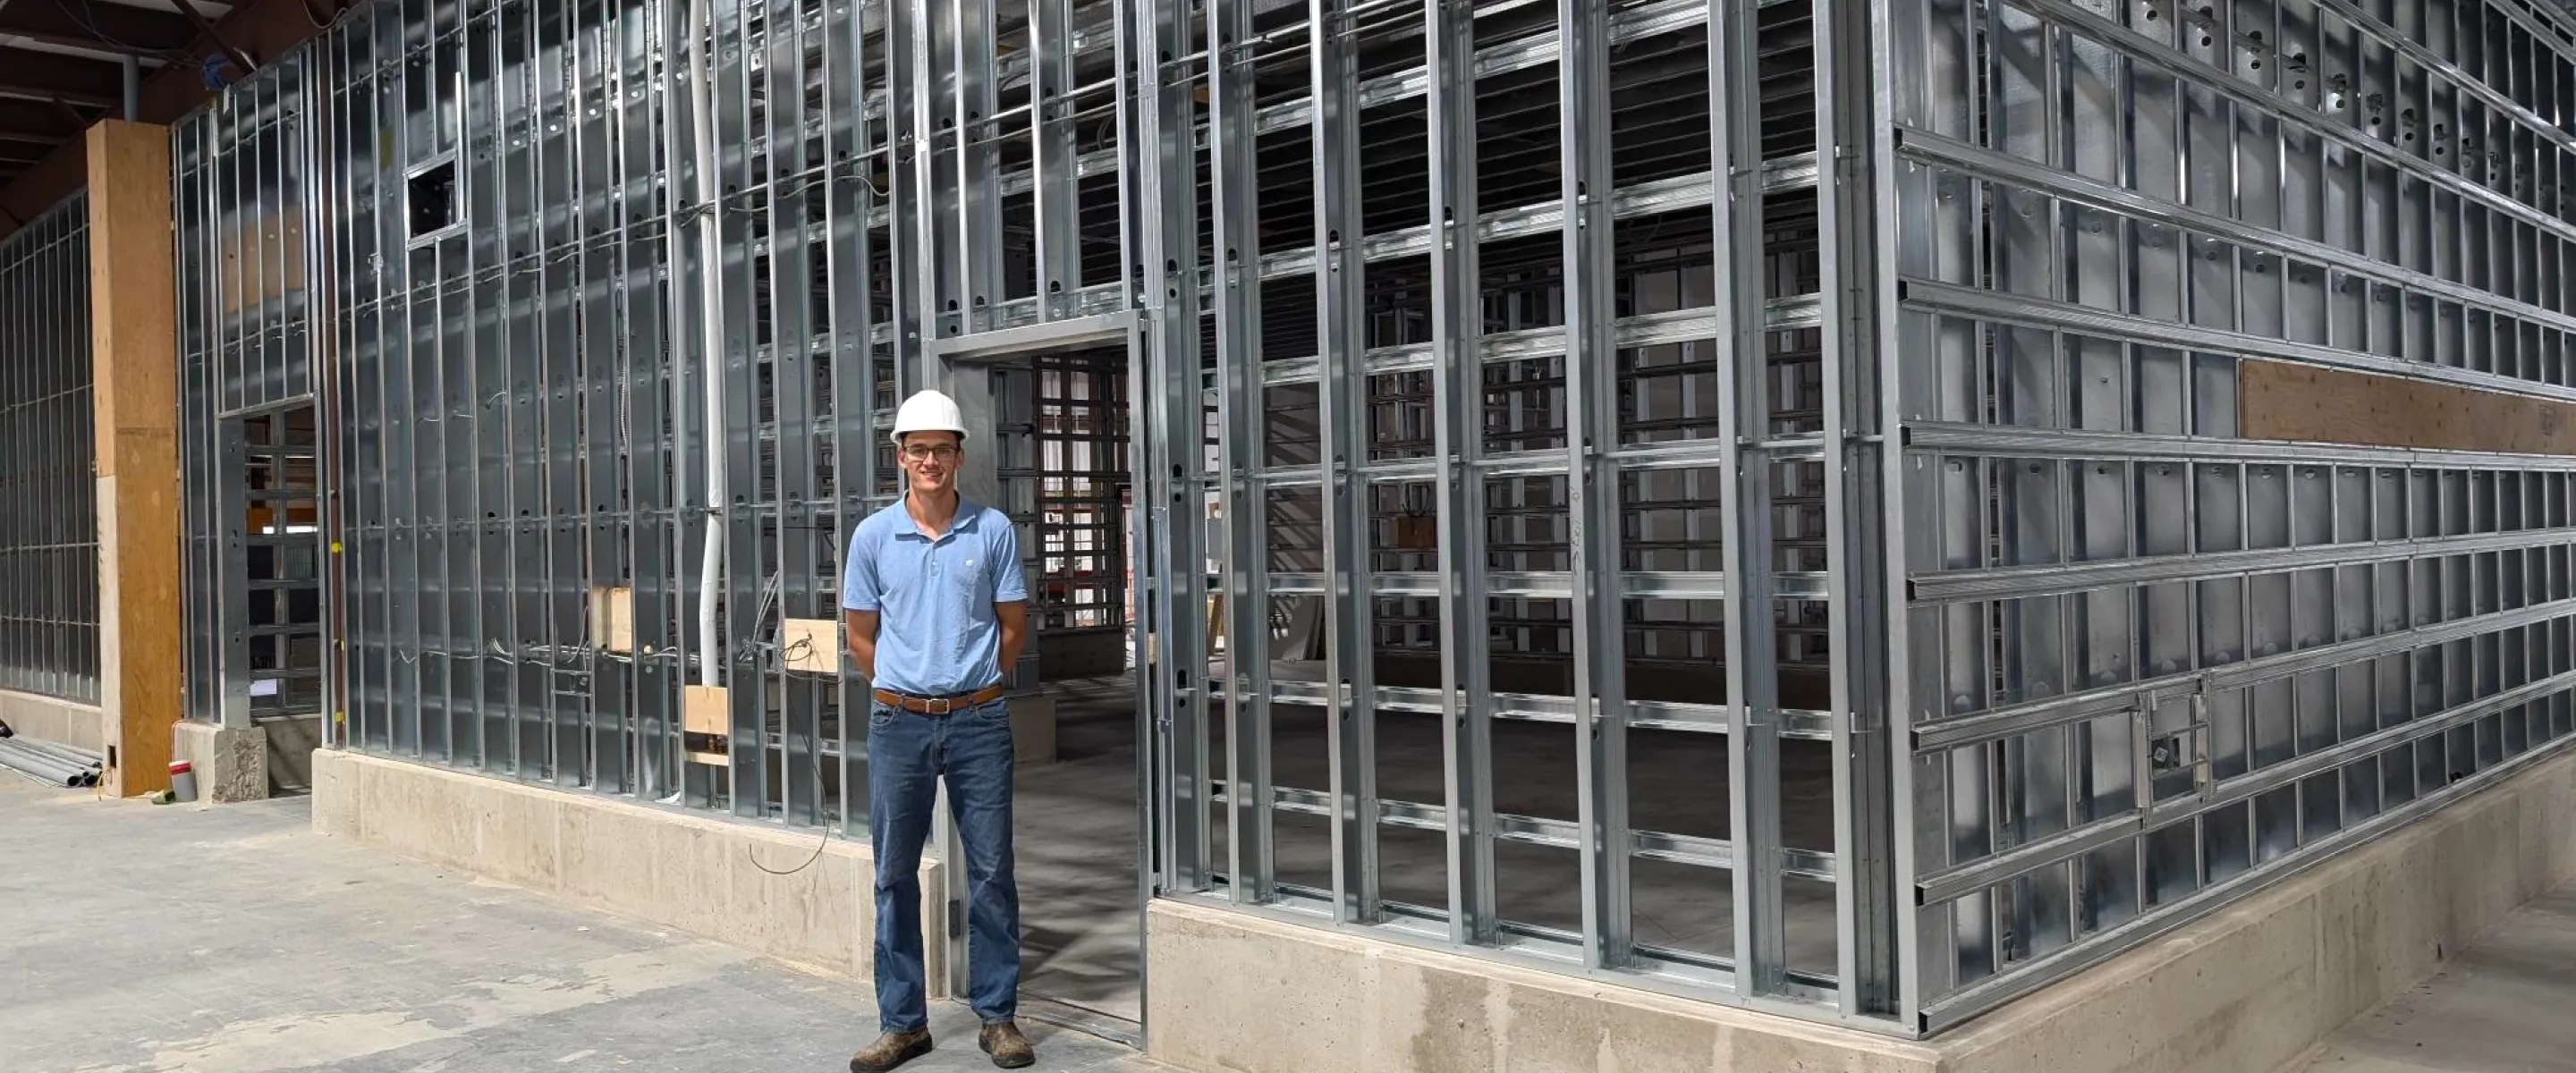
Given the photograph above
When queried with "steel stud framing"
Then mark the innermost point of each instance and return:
(1744, 498)
(49, 536)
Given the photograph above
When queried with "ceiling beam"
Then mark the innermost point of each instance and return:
(90, 47)
(112, 27)
(80, 76)
(26, 92)
(241, 63)
(37, 119)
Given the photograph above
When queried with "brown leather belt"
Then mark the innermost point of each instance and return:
(952, 703)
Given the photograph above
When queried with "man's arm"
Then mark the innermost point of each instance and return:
(859, 604)
(1014, 617)
(859, 628)
(1010, 592)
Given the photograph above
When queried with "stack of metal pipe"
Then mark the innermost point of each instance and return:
(58, 765)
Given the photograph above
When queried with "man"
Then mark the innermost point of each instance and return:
(936, 610)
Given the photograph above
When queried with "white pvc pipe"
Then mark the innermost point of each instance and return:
(675, 251)
(711, 572)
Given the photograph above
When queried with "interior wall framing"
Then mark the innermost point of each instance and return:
(251, 468)
(49, 536)
(1768, 476)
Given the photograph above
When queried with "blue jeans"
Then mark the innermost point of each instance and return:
(908, 754)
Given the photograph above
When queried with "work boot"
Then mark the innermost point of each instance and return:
(1010, 1049)
(890, 1050)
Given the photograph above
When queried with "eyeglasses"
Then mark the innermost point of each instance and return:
(920, 453)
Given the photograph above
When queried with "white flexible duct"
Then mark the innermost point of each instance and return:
(711, 572)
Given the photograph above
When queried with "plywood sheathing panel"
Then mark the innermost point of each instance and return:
(811, 644)
(612, 618)
(704, 710)
(2308, 404)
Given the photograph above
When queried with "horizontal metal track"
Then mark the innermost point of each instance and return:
(1949, 1011)
(2251, 101)
(2003, 308)
(1954, 883)
(2068, 186)
(2024, 581)
(1556, 834)
(1553, 585)
(1527, 221)
(1536, 50)
(2008, 442)
(283, 585)
(1678, 454)
(1535, 708)
(2465, 83)
(289, 629)
(1932, 739)
(1526, 344)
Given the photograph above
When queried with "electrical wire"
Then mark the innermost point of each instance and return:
(819, 843)
(319, 23)
(79, 11)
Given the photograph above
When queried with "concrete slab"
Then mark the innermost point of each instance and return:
(2501, 1005)
(291, 742)
(231, 763)
(233, 939)
(1032, 731)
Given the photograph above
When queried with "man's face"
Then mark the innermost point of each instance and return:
(930, 460)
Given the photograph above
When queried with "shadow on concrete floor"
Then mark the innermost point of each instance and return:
(235, 940)
(2507, 1004)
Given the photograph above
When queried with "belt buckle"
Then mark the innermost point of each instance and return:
(940, 706)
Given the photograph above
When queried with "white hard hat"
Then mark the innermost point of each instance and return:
(928, 411)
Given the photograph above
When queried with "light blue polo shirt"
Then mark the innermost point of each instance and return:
(936, 632)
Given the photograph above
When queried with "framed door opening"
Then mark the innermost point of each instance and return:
(1058, 400)
(254, 594)
(1079, 821)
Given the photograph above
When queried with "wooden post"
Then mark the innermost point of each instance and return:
(135, 407)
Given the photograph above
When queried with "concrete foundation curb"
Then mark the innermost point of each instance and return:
(707, 876)
(2245, 990)
(62, 722)
(231, 763)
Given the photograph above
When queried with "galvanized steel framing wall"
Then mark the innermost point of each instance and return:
(49, 533)
(250, 445)
(2155, 662)
(1527, 379)
(1769, 474)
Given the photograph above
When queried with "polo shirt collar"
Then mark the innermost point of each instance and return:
(969, 513)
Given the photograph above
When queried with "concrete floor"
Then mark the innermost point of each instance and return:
(2505, 1005)
(1080, 920)
(234, 939)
